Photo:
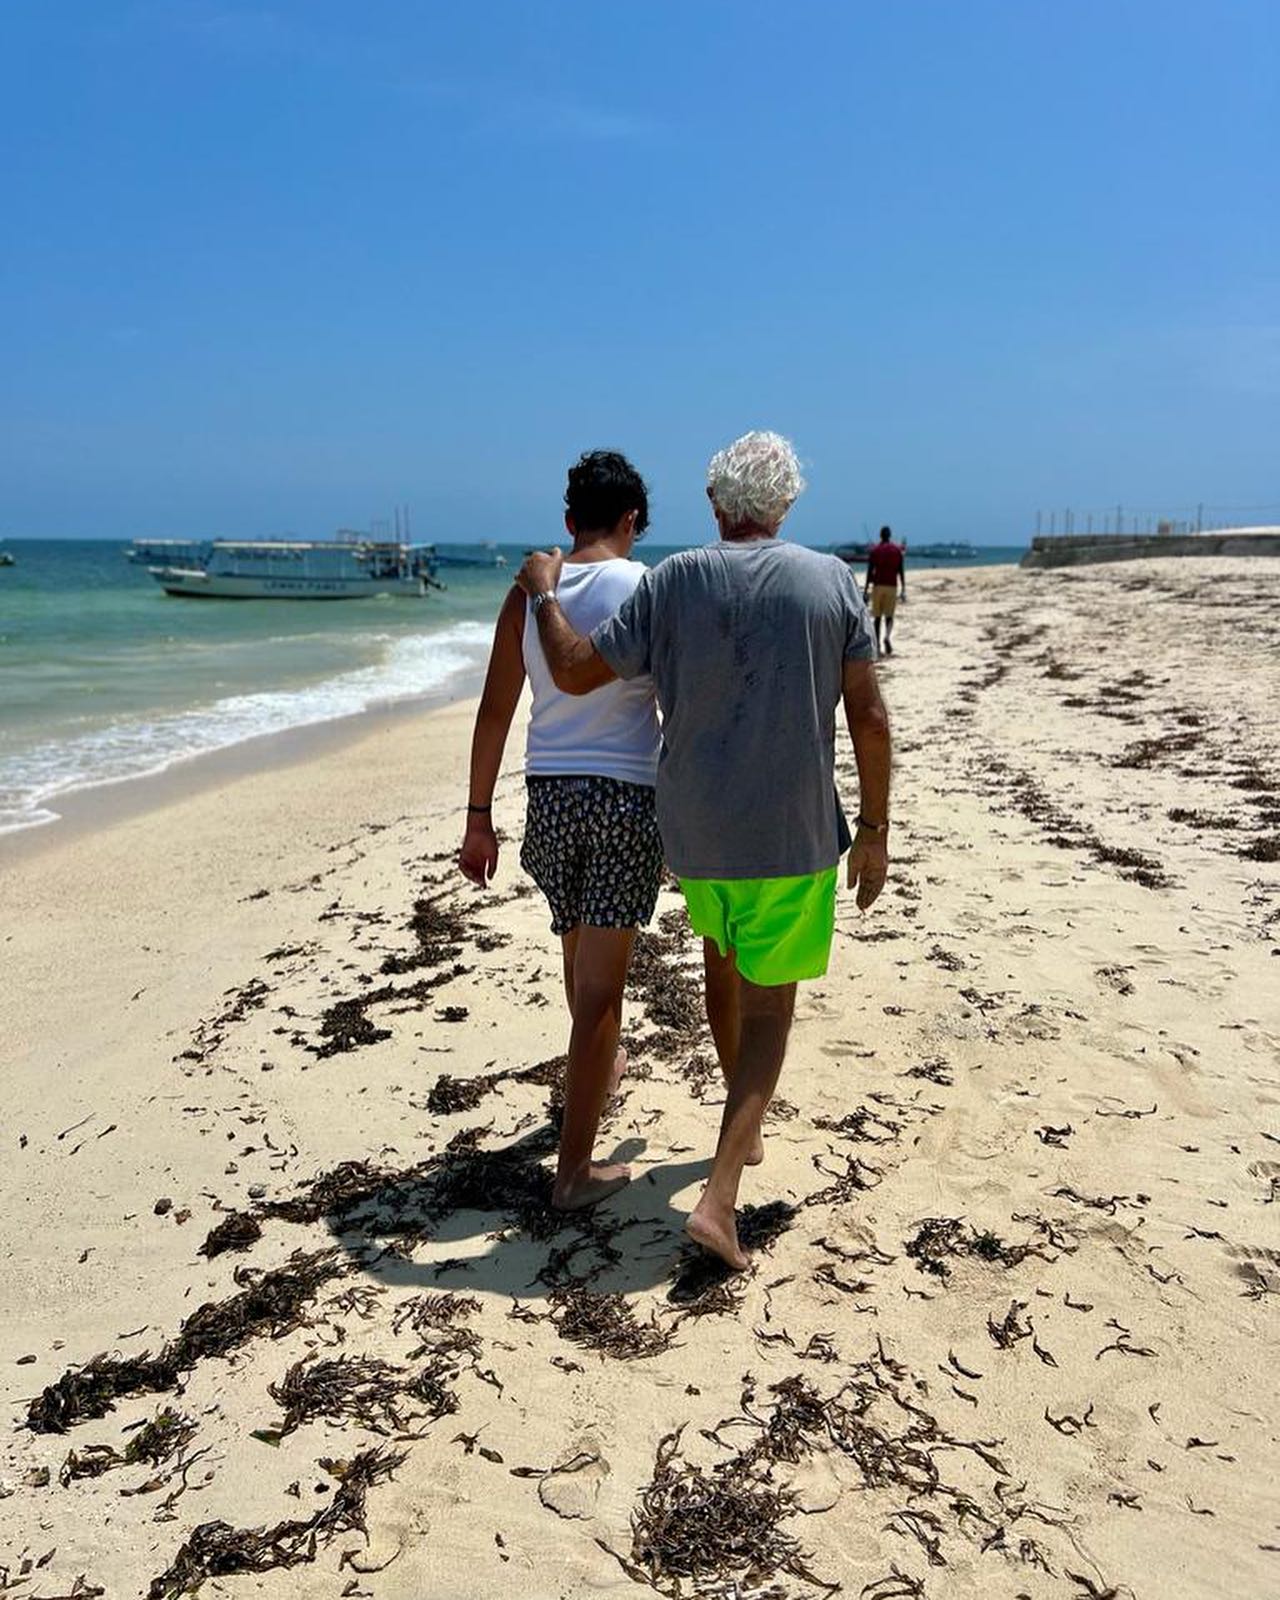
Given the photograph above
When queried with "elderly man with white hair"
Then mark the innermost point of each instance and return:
(751, 645)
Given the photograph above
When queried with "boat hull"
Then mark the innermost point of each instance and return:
(195, 585)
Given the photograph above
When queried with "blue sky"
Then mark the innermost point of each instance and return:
(275, 267)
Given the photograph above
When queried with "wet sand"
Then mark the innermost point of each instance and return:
(280, 1093)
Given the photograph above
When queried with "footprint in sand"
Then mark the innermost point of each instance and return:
(1269, 1174)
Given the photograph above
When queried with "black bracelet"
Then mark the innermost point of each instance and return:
(873, 827)
(481, 809)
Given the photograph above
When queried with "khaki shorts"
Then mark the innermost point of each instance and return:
(884, 599)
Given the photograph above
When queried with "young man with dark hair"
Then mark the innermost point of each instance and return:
(591, 833)
(886, 569)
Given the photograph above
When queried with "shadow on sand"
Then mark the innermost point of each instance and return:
(420, 1229)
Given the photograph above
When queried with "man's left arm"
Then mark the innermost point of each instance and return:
(576, 666)
(902, 576)
(868, 722)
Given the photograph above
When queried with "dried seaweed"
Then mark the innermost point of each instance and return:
(449, 1094)
(155, 1443)
(940, 1239)
(440, 931)
(606, 1323)
(273, 1303)
(159, 1440)
(346, 1026)
(697, 1524)
(858, 1176)
(217, 1550)
(237, 1231)
(363, 1389)
(1011, 1328)
(335, 1193)
(862, 1125)
(428, 1312)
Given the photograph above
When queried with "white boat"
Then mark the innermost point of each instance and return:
(169, 552)
(278, 569)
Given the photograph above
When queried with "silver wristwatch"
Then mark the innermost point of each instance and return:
(540, 599)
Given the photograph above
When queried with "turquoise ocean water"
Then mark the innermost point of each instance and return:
(104, 677)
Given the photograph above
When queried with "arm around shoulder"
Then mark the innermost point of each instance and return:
(576, 666)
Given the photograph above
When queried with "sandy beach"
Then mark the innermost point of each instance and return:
(280, 1094)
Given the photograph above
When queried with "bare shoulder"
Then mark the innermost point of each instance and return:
(513, 609)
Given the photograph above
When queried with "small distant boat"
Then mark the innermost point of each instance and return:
(284, 569)
(855, 554)
(8, 559)
(485, 554)
(957, 551)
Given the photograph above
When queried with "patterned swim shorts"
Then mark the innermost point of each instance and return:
(591, 845)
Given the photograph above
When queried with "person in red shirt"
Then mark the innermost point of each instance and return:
(886, 572)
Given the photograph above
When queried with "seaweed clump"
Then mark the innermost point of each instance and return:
(272, 1303)
(606, 1323)
(363, 1389)
(237, 1231)
(217, 1550)
(939, 1240)
(722, 1522)
(449, 1094)
(155, 1443)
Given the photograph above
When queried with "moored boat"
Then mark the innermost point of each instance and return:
(957, 550)
(279, 569)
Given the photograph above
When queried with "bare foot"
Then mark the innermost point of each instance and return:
(615, 1077)
(590, 1187)
(718, 1232)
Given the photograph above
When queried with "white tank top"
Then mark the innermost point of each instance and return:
(611, 732)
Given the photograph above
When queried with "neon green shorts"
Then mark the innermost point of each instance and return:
(780, 929)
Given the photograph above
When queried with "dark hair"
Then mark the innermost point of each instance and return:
(603, 486)
(886, 533)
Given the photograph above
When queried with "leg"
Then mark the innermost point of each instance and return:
(599, 974)
(766, 1023)
(723, 992)
(723, 999)
(569, 949)
(888, 634)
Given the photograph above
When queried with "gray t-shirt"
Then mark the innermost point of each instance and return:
(746, 643)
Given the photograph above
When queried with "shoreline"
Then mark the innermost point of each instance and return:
(100, 805)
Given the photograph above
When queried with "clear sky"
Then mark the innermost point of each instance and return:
(272, 267)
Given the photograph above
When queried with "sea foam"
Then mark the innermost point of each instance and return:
(411, 667)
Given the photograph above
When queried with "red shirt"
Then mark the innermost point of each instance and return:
(884, 563)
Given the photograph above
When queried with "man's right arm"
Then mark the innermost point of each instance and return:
(868, 722)
(576, 666)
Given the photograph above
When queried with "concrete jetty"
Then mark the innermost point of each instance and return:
(1083, 549)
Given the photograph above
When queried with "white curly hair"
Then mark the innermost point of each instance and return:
(755, 479)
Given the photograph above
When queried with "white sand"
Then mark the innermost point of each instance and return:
(1046, 1049)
